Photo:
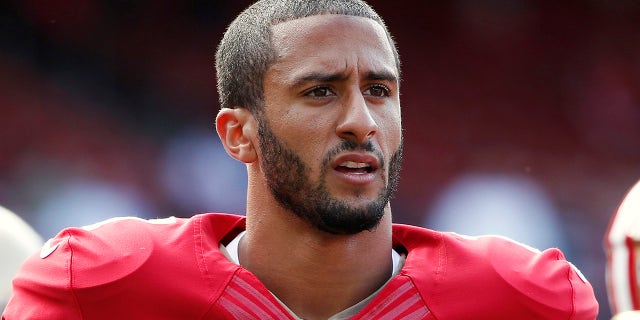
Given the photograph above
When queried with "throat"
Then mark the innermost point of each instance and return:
(314, 274)
(305, 293)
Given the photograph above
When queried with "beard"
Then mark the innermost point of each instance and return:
(288, 179)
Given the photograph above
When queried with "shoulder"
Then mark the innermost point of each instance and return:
(116, 248)
(106, 251)
(496, 271)
(124, 263)
(493, 253)
(111, 249)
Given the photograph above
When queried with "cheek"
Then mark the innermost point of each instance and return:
(390, 129)
(314, 140)
(305, 135)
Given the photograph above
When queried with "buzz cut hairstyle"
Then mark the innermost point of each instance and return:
(246, 50)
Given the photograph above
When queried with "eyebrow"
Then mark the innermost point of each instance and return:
(333, 77)
(319, 77)
(382, 75)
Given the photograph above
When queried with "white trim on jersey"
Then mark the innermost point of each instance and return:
(232, 248)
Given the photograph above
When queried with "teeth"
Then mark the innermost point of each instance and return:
(354, 165)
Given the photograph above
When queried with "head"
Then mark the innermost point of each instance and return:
(247, 51)
(313, 88)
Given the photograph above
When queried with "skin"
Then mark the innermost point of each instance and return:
(335, 79)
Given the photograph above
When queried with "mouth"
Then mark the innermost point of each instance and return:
(354, 167)
(356, 163)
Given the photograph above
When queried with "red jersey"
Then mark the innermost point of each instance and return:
(174, 269)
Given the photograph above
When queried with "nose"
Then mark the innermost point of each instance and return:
(357, 123)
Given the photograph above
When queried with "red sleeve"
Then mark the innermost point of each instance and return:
(121, 268)
(490, 277)
(78, 269)
(543, 282)
(554, 286)
(42, 287)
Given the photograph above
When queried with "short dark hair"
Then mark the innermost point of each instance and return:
(246, 50)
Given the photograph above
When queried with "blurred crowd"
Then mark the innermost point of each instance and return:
(522, 117)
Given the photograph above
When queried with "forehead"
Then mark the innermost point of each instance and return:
(330, 41)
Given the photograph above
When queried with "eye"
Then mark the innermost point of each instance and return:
(319, 91)
(378, 90)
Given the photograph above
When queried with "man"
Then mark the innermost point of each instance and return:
(310, 103)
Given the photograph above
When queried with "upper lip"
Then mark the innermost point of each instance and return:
(358, 159)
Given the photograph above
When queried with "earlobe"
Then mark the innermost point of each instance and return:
(234, 129)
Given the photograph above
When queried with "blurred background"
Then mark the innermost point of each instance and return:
(522, 117)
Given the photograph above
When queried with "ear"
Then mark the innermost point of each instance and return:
(236, 129)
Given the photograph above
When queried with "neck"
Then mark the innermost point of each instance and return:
(314, 273)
